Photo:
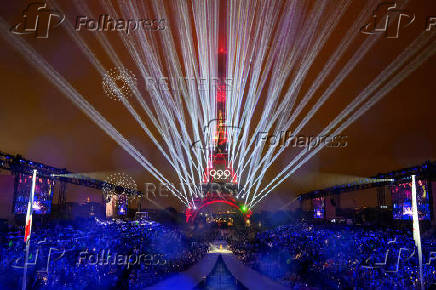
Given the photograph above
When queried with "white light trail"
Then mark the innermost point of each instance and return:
(272, 47)
(48, 71)
(421, 41)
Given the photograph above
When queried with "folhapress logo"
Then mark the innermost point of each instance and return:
(38, 19)
(389, 19)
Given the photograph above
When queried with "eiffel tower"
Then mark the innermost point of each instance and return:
(220, 181)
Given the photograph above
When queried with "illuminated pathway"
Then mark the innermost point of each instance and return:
(249, 277)
(212, 269)
(191, 277)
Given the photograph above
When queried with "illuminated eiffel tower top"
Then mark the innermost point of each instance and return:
(219, 171)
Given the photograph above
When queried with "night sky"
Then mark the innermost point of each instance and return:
(40, 123)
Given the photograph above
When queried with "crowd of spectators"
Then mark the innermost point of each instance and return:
(322, 256)
(116, 254)
(110, 254)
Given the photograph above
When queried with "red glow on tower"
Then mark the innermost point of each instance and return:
(219, 169)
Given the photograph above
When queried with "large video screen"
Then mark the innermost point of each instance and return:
(318, 207)
(402, 200)
(42, 199)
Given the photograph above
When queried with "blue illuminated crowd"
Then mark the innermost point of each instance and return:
(102, 254)
(337, 256)
(115, 254)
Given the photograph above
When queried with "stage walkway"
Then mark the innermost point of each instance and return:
(192, 277)
(249, 277)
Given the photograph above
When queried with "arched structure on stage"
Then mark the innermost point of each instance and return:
(191, 213)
